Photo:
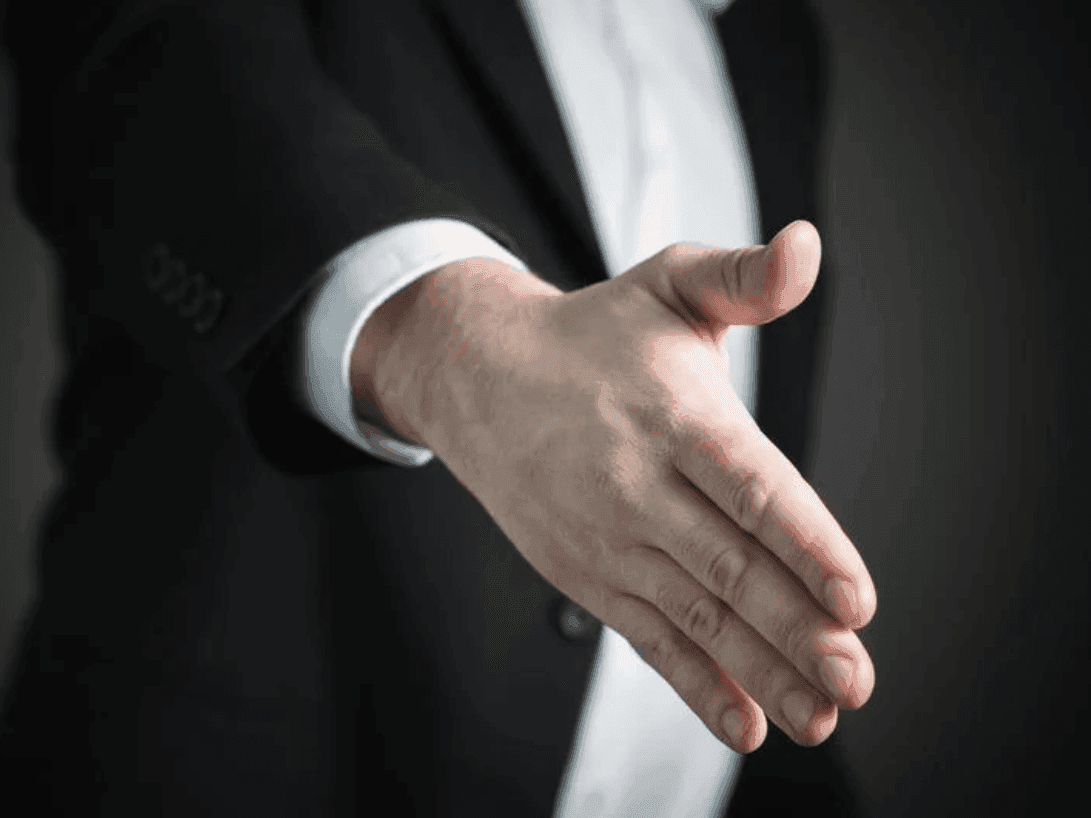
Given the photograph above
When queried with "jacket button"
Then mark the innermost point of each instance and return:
(195, 297)
(178, 283)
(157, 267)
(210, 310)
(573, 622)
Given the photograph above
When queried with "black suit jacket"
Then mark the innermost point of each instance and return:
(239, 612)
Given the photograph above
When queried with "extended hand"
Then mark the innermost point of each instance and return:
(599, 430)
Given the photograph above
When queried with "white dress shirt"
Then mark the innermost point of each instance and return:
(648, 109)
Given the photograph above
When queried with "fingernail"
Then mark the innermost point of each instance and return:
(837, 675)
(841, 599)
(798, 708)
(734, 725)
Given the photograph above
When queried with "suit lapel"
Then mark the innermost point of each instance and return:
(497, 50)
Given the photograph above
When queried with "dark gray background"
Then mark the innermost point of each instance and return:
(951, 442)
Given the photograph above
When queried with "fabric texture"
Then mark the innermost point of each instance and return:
(241, 612)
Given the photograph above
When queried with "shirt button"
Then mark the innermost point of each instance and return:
(573, 622)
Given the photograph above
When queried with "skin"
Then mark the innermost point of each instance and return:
(599, 429)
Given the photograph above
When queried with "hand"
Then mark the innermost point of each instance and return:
(599, 430)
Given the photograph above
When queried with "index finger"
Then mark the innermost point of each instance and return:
(743, 473)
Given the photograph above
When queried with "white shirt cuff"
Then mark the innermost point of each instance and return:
(359, 280)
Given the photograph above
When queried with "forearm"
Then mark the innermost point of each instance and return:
(414, 363)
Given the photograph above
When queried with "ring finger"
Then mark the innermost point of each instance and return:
(704, 623)
(729, 565)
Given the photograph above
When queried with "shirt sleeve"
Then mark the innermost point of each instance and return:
(196, 167)
(358, 281)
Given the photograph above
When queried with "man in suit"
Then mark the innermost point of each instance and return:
(239, 610)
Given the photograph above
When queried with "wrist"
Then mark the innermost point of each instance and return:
(419, 355)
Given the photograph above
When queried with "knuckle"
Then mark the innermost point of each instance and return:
(730, 574)
(668, 601)
(673, 254)
(726, 574)
(731, 271)
(707, 701)
(747, 500)
(764, 681)
(629, 508)
(616, 469)
(794, 634)
(703, 620)
(696, 539)
(597, 478)
(658, 420)
(601, 476)
(660, 654)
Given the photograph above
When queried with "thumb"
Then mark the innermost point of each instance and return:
(717, 288)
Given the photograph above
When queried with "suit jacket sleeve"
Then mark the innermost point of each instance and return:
(196, 169)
